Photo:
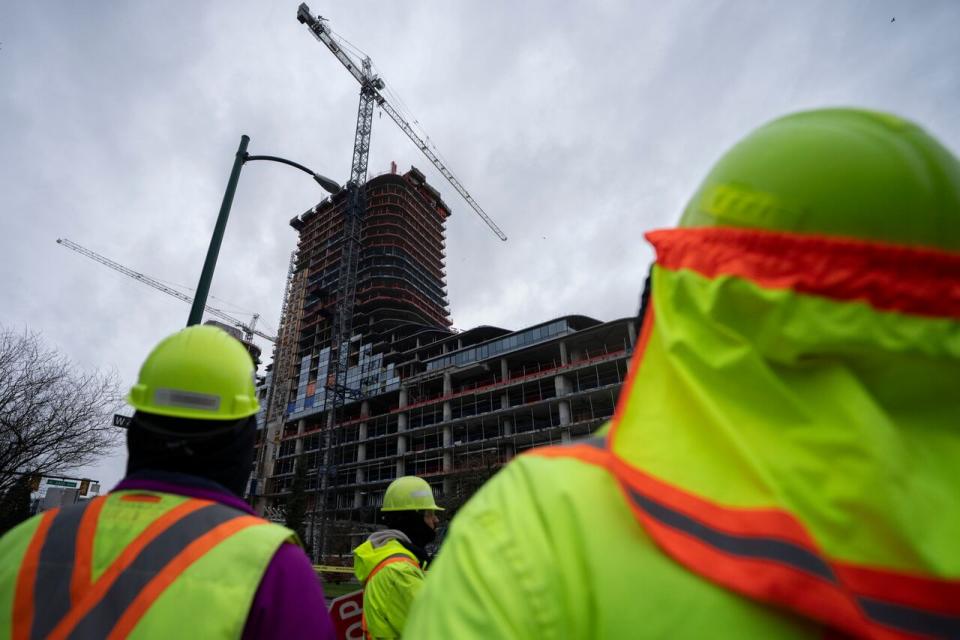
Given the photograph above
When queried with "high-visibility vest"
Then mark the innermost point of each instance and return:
(386, 595)
(768, 362)
(134, 563)
(783, 461)
(399, 557)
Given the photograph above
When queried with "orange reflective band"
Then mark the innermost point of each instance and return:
(888, 277)
(180, 563)
(81, 579)
(767, 555)
(646, 330)
(23, 602)
(98, 590)
(390, 560)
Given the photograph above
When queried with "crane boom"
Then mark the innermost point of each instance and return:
(442, 168)
(373, 84)
(156, 284)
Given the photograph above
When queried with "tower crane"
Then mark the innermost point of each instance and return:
(249, 330)
(371, 96)
(370, 92)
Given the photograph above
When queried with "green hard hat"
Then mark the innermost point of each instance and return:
(409, 493)
(836, 172)
(200, 372)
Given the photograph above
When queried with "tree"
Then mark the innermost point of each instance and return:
(297, 500)
(53, 416)
(15, 504)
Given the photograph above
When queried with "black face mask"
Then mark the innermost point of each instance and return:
(212, 449)
(412, 524)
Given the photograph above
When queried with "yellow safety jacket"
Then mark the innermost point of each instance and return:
(142, 564)
(784, 461)
(391, 577)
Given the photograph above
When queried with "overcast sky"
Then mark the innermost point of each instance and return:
(577, 127)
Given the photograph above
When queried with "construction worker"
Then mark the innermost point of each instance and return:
(784, 457)
(172, 551)
(391, 562)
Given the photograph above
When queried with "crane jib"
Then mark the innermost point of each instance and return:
(360, 70)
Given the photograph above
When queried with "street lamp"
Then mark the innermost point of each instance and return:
(203, 288)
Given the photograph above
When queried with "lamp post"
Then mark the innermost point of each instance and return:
(206, 276)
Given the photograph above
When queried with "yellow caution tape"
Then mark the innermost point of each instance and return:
(321, 568)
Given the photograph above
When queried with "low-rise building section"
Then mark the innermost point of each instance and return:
(421, 398)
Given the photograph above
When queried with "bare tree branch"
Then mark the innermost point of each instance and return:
(53, 416)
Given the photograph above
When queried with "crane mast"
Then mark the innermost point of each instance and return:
(361, 72)
(371, 86)
(249, 329)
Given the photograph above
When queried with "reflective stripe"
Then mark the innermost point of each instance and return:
(912, 620)
(23, 600)
(51, 592)
(397, 557)
(175, 568)
(108, 607)
(83, 557)
(885, 276)
(747, 546)
(767, 567)
(126, 557)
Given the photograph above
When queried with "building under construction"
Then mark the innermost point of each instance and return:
(421, 398)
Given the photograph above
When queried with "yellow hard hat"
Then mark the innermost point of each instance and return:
(200, 373)
(409, 493)
(836, 172)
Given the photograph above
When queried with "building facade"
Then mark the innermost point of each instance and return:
(427, 400)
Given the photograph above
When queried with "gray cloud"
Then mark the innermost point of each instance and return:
(578, 127)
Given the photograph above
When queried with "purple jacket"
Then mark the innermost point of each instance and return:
(289, 602)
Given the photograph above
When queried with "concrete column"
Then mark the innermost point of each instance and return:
(504, 375)
(357, 494)
(362, 435)
(447, 431)
(564, 360)
(401, 435)
(565, 436)
(632, 333)
(361, 450)
(298, 443)
(447, 390)
(561, 385)
(447, 383)
(564, 408)
(447, 449)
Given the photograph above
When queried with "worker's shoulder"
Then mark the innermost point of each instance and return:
(548, 495)
(545, 477)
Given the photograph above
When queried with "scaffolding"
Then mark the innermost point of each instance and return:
(455, 428)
